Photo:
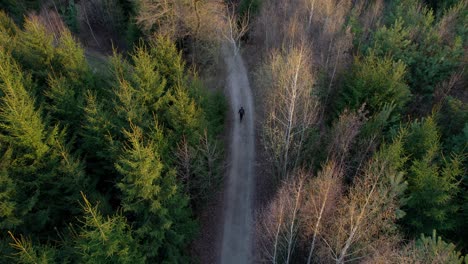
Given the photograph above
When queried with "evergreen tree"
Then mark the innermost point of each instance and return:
(41, 163)
(8, 189)
(183, 117)
(35, 51)
(169, 62)
(98, 142)
(431, 189)
(106, 240)
(8, 31)
(150, 195)
(432, 249)
(374, 81)
(413, 38)
(27, 253)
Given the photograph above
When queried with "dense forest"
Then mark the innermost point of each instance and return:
(113, 123)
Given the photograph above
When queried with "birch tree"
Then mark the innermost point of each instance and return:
(321, 197)
(290, 107)
(278, 226)
(364, 223)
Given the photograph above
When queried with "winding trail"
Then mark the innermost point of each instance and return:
(237, 237)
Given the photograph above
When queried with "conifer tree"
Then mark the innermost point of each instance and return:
(415, 37)
(35, 50)
(106, 240)
(41, 163)
(97, 135)
(375, 81)
(8, 31)
(27, 253)
(168, 60)
(431, 249)
(431, 187)
(150, 194)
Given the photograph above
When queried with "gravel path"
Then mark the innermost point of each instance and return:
(238, 200)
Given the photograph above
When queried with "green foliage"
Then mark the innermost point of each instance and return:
(433, 249)
(38, 156)
(106, 240)
(413, 38)
(168, 61)
(70, 13)
(19, 8)
(35, 50)
(8, 219)
(213, 106)
(394, 181)
(8, 31)
(126, 121)
(27, 253)
(97, 139)
(374, 81)
(453, 121)
(432, 189)
(150, 193)
(424, 138)
(183, 116)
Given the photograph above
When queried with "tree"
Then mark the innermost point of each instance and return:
(374, 81)
(40, 158)
(413, 38)
(178, 19)
(278, 226)
(151, 194)
(321, 196)
(291, 110)
(431, 189)
(365, 218)
(106, 240)
(431, 249)
(35, 50)
(28, 253)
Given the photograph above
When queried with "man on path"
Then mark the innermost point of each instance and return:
(241, 113)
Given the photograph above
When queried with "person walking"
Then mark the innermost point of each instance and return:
(241, 113)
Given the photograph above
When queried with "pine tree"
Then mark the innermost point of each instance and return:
(432, 249)
(415, 38)
(67, 82)
(374, 81)
(151, 196)
(183, 117)
(97, 133)
(106, 240)
(169, 61)
(431, 189)
(27, 253)
(35, 51)
(8, 189)
(8, 31)
(41, 163)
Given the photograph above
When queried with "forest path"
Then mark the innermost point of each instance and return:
(238, 202)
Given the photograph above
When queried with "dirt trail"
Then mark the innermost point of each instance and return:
(237, 237)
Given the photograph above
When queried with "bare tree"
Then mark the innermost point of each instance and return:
(291, 108)
(344, 132)
(184, 157)
(278, 226)
(365, 216)
(234, 28)
(200, 167)
(179, 18)
(320, 200)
